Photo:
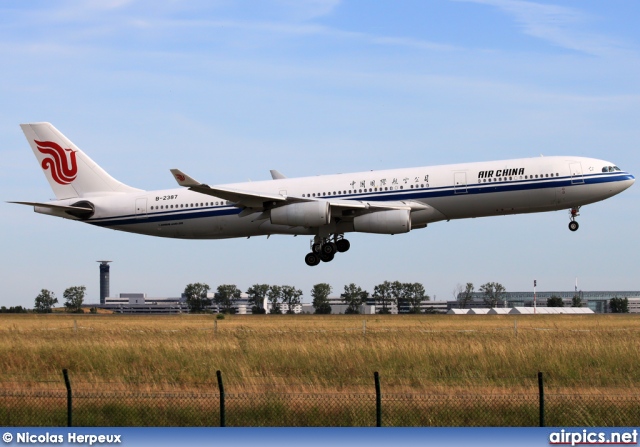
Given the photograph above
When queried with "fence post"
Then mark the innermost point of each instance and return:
(376, 376)
(67, 383)
(221, 388)
(541, 392)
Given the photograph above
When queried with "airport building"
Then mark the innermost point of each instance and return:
(128, 303)
(598, 302)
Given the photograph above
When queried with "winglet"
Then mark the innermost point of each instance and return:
(276, 175)
(183, 179)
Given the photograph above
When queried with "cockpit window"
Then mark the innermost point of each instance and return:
(611, 169)
(615, 168)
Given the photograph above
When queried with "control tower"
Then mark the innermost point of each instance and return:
(104, 280)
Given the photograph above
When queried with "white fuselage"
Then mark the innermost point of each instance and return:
(450, 192)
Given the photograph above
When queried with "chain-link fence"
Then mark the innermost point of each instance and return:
(55, 404)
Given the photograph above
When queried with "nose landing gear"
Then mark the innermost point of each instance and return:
(324, 249)
(573, 225)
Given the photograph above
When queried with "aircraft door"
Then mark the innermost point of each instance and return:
(576, 173)
(141, 208)
(460, 182)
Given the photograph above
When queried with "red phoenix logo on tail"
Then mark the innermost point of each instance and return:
(64, 169)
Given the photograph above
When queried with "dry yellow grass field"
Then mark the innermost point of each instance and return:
(309, 353)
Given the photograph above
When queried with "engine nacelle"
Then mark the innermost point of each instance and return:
(384, 222)
(306, 214)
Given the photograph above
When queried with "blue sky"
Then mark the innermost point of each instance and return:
(227, 90)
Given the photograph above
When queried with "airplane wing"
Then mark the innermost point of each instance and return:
(239, 197)
(257, 202)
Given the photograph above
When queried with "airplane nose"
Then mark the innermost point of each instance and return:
(627, 182)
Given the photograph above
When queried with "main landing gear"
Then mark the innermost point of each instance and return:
(324, 249)
(573, 225)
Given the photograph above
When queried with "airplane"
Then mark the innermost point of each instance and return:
(325, 207)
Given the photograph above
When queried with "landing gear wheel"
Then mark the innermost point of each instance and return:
(343, 245)
(312, 259)
(316, 248)
(326, 257)
(329, 248)
(573, 225)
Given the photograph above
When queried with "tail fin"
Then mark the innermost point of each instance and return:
(70, 172)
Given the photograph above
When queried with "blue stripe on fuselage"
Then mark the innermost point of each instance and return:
(380, 196)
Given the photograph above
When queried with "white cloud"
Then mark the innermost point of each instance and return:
(555, 24)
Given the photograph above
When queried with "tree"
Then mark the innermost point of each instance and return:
(291, 297)
(45, 301)
(275, 296)
(320, 294)
(555, 301)
(619, 305)
(257, 293)
(197, 299)
(492, 293)
(576, 301)
(74, 296)
(414, 295)
(226, 296)
(13, 310)
(354, 297)
(383, 294)
(465, 296)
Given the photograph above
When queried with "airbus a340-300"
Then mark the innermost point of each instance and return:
(325, 207)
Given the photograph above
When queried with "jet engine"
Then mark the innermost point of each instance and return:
(306, 214)
(384, 222)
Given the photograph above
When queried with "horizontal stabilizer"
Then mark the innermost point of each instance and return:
(55, 207)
